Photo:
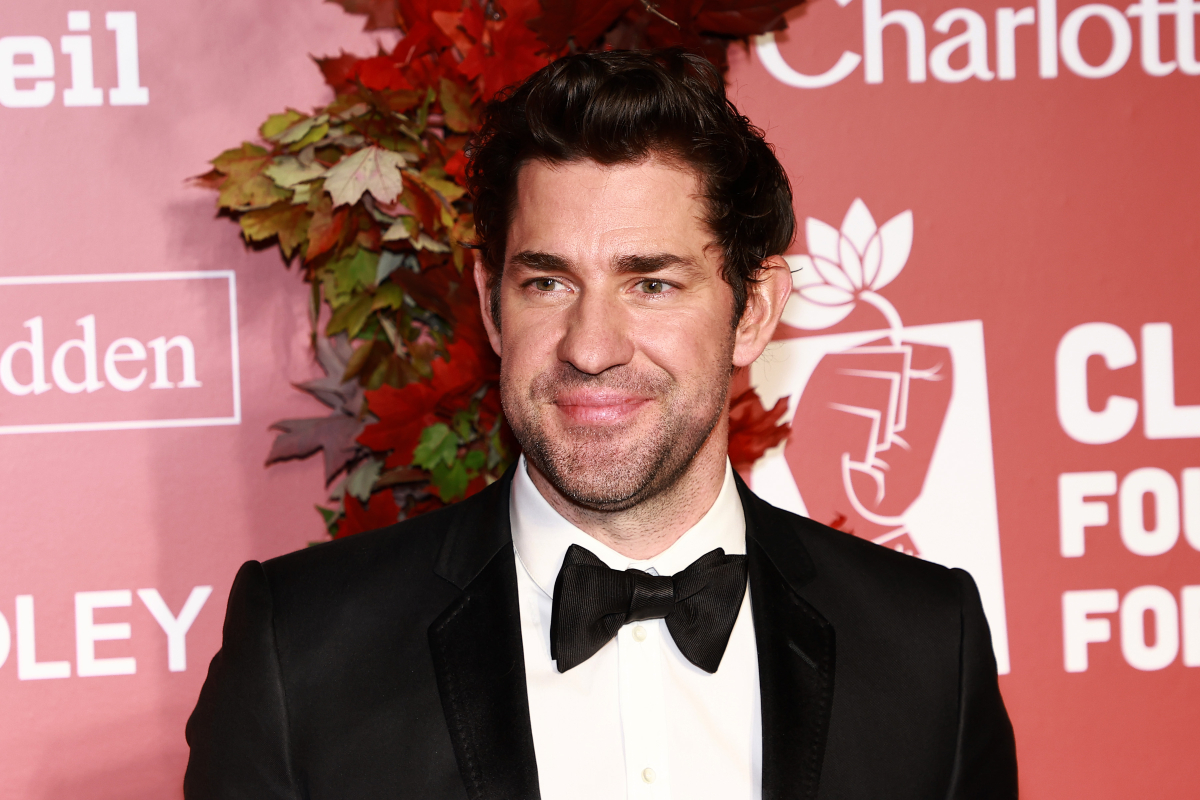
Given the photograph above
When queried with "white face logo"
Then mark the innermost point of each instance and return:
(891, 434)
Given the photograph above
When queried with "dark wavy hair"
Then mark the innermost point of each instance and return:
(621, 107)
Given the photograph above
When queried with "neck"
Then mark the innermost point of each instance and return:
(650, 527)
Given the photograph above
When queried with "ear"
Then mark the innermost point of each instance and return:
(765, 300)
(485, 302)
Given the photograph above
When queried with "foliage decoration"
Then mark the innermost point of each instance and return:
(366, 194)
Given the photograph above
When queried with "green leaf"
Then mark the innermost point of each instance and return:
(329, 516)
(315, 135)
(362, 480)
(456, 103)
(357, 271)
(463, 426)
(389, 295)
(475, 460)
(304, 128)
(451, 482)
(371, 169)
(278, 123)
(350, 317)
(438, 446)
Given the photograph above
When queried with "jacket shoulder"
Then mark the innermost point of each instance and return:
(844, 564)
(402, 563)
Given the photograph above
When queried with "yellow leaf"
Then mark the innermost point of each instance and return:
(427, 242)
(389, 295)
(288, 171)
(403, 228)
(284, 220)
(301, 129)
(278, 123)
(371, 169)
(446, 188)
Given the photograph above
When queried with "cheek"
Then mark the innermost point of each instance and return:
(693, 349)
(528, 344)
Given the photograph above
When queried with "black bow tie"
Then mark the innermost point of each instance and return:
(592, 602)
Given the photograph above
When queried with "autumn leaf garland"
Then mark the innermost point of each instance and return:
(367, 195)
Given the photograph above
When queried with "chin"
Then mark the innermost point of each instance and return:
(608, 470)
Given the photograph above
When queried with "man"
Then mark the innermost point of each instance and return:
(619, 616)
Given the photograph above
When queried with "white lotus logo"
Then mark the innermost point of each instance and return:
(843, 267)
(891, 432)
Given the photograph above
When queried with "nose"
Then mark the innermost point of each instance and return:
(597, 334)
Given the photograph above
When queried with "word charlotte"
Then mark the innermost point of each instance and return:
(1056, 43)
(1174, 505)
(88, 632)
(27, 66)
(76, 364)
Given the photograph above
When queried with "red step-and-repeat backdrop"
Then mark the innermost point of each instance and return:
(992, 355)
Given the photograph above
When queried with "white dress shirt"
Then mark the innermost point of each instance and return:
(637, 719)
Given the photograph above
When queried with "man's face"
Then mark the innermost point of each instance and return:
(616, 341)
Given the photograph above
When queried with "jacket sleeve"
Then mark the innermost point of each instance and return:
(985, 764)
(238, 733)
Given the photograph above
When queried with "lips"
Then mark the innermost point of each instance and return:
(599, 407)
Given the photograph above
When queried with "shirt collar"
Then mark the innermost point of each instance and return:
(542, 536)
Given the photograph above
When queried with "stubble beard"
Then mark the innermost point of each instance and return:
(603, 468)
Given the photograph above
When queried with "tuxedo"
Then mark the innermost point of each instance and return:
(390, 665)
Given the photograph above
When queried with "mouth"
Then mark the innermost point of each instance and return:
(599, 407)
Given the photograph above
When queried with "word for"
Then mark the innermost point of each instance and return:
(1054, 42)
(27, 66)
(1081, 628)
(1161, 418)
(124, 350)
(1077, 513)
(88, 632)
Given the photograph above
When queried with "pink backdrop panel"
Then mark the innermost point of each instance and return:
(95, 497)
(991, 355)
(1050, 280)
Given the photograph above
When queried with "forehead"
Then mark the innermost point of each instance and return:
(584, 210)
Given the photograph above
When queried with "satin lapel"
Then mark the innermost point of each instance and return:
(795, 653)
(477, 654)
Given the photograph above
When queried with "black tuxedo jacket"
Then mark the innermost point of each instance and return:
(389, 665)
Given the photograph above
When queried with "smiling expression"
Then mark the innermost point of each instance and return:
(617, 339)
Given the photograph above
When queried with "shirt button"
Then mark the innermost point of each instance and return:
(648, 775)
(639, 635)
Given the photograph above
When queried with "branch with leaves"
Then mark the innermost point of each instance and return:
(366, 195)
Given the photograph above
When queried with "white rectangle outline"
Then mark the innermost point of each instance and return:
(135, 424)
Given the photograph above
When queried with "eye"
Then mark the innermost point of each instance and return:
(547, 284)
(651, 286)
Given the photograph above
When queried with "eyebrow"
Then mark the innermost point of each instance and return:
(644, 264)
(539, 261)
(631, 264)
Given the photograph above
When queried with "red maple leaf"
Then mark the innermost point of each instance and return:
(382, 72)
(379, 13)
(515, 55)
(456, 167)
(381, 510)
(403, 413)
(742, 18)
(339, 71)
(753, 430)
(584, 22)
